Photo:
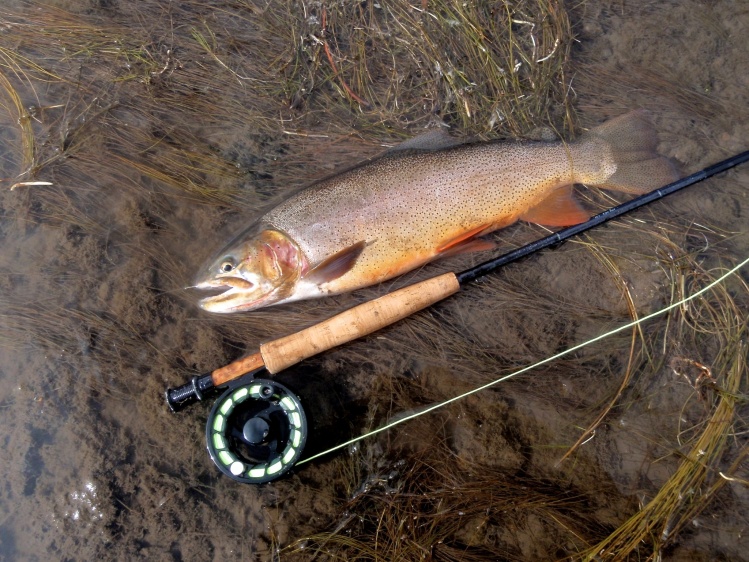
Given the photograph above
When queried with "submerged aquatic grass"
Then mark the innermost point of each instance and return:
(231, 105)
(700, 449)
(433, 504)
(16, 114)
(704, 454)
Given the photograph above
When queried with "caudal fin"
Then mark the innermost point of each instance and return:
(631, 152)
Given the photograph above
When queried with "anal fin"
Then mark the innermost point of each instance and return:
(558, 209)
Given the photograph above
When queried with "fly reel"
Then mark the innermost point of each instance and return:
(256, 431)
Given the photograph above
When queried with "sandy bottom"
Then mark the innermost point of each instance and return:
(95, 325)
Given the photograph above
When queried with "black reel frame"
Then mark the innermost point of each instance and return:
(256, 430)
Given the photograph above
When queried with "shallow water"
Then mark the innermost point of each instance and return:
(158, 149)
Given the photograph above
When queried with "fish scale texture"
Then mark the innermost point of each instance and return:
(406, 206)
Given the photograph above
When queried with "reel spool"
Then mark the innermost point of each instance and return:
(256, 431)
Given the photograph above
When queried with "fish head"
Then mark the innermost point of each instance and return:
(252, 272)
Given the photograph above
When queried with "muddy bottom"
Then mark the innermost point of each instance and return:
(138, 137)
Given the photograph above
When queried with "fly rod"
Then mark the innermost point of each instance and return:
(371, 316)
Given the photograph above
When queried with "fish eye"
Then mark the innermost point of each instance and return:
(226, 266)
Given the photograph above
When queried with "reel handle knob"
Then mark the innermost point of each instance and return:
(178, 398)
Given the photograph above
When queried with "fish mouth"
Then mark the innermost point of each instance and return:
(214, 289)
(229, 295)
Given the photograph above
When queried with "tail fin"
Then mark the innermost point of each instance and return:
(631, 152)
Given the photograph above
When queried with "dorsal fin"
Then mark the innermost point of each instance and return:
(434, 139)
(542, 134)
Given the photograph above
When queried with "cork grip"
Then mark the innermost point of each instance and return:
(236, 369)
(356, 322)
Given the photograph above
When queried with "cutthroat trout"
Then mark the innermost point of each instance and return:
(389, 216)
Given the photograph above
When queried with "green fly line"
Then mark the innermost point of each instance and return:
(533, 366)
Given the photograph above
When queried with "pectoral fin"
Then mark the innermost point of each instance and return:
(336, 265)
(558, 209)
